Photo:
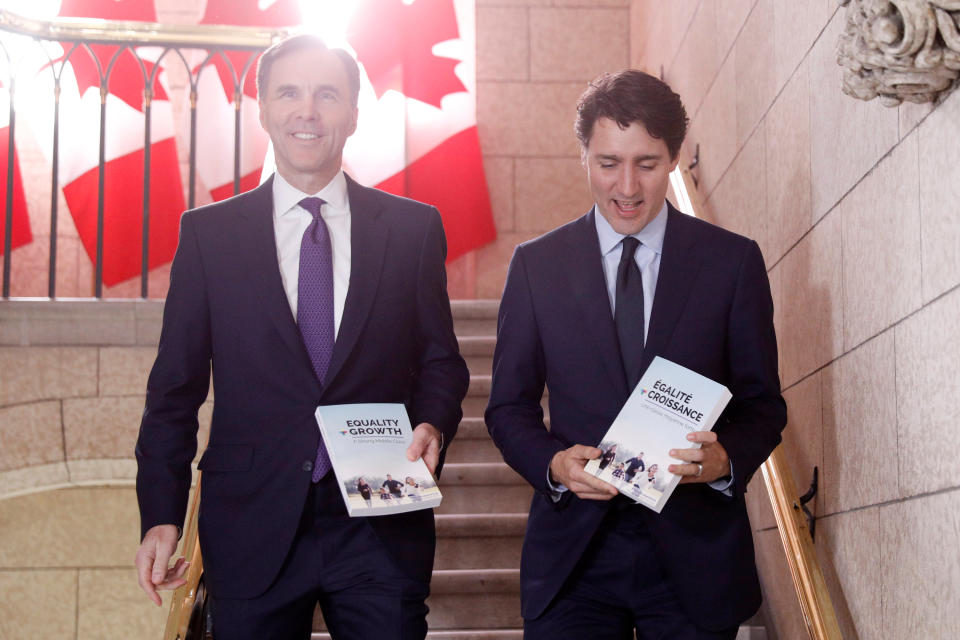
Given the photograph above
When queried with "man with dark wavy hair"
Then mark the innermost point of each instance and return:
(585, 310)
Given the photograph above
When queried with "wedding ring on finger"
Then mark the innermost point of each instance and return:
(699, 470)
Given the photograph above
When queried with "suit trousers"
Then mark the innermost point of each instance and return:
(618, 588)
(340, 563)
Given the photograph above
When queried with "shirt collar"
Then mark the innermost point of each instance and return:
(286, 196)
(651, 236)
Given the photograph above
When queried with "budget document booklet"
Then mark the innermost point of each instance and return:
(367, 445)
(669, 402)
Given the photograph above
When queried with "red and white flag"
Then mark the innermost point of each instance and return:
(417, 134)
(124, 145)
(20, 235)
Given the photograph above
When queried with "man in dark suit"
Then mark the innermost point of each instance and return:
(585, 310)
(307, 290)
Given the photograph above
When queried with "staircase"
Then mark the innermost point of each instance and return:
(475, 591)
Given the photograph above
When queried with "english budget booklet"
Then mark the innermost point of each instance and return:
(669, 402)
(367, 445)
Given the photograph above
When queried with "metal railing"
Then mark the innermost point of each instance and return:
(77, 36)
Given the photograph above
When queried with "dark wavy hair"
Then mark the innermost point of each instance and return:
(300, 42)
(633, 96)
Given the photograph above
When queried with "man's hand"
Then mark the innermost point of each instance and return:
(152, 560)
(566, 467)
(711, 454)
(426, 445)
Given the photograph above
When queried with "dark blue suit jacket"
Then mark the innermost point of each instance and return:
(226, 306)
(713, 313)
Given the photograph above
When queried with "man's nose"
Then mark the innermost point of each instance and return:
(628, 183)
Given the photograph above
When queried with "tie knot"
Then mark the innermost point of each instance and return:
(312, 205)
(630, 245)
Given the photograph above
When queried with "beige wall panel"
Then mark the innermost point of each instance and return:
(29, 266)
(88, 323)
(928, 353)
(848, 545)
(848, 136)
(30, 479)
(755, 79)
(788, 166)
(76, 527)
(940, 198)
(698, 60)
(513, 3)
(44, 373)
(920, 564)
(860, 427)
(550, 192)
(493, 261)
(503, 43)
(803, 437)
(38, 605)
(796, 26)
(739, 203)
(731, 15)
(778, 591)
(910, 115)
(30, 434)
(775, 275)
(715, 128)
(577, 44)
(811, 301)
(528, 119)
(499, 172)
(592, 3)
(112, 607)
(881, 243)
(101, 427)
(124, 370)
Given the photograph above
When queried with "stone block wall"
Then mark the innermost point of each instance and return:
(854, 206)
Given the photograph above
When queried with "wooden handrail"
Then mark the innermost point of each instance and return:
(184, 597)
(815, 601)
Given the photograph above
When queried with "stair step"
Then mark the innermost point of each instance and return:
(483, 487)
(477, 351)
(475, 317)
(479, 541)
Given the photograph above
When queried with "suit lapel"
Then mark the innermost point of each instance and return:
(678, 269)
(584, 271)
(257, 241)
(368, 241)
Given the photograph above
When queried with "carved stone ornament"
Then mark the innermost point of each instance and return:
(900, 49)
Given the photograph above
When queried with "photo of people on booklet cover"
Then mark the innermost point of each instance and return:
(631, 472)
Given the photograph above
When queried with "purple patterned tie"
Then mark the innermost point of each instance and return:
(315, 304)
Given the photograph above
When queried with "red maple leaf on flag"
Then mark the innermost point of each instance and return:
(283, 13)
(394, 40)
(126, 81)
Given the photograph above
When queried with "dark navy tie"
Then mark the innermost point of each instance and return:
(315, 304)
(628, 311)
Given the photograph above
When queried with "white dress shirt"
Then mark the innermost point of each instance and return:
(290, 220)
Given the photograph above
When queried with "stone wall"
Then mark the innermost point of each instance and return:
(855, 207)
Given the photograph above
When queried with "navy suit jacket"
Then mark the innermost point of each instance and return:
(226, 306)
(713, 313)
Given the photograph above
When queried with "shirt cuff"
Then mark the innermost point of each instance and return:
(556, 490)
(723, 485)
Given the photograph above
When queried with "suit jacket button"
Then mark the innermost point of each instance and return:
(308, 466)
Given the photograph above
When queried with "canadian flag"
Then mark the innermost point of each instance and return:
(20, 235)
(417, 133)
(124, 169)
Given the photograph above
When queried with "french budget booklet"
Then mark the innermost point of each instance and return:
(669, 402)
(367, 445)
